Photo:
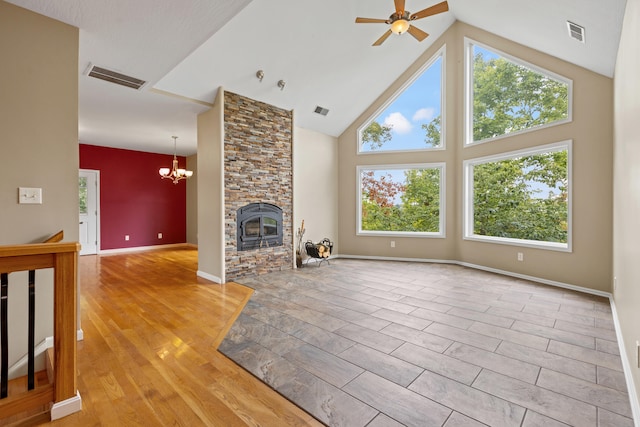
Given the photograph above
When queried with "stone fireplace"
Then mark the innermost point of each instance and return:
(258, 184)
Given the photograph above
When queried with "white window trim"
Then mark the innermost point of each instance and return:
(468, 93)
(441, 53)
(442, 201)
(468, 206)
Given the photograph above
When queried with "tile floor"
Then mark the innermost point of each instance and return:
(367, 343)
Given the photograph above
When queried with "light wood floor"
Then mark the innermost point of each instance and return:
(151, 330)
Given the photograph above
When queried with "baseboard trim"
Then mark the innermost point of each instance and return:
(142, 248)
(626, 367)
(538, 279)
(384, 258)
(66, 407)
(22, 362)
(489, 269)
(38, 350)
(209, 277)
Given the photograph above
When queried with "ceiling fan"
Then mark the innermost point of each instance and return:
(401, 18)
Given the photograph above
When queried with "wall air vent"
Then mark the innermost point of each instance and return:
(576, 31)
(114, 77)
(321, 111)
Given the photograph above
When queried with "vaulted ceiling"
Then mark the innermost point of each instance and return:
(186, 50)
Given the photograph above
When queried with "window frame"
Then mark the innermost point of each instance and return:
(440, 53)
(468, 197)
(442, 200)
(468, 93)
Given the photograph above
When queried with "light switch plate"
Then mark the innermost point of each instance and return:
(32, 196)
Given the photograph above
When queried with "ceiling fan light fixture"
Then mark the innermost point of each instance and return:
(400, 26)
(400, 21)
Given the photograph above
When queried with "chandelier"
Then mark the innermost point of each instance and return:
(175, 173)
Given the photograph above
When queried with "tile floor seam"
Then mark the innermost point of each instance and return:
(579, 400)
(454, 282)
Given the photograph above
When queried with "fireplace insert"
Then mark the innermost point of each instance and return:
(259, 225)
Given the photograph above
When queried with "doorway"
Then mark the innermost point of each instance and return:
(89, 210)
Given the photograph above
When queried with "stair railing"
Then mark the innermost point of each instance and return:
(63, 258)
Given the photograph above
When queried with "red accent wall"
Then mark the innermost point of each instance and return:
(133, 198)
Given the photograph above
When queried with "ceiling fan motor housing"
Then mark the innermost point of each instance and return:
(399, 22)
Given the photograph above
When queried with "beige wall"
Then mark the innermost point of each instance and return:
(211, 192)
(590, 263)
(38, 143)
(39, 122)
(315, 185)
(406, 247)
(192, 201)
(626, 251)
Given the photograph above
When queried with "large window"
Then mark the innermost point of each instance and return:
(401, 200)
(521, 197)
(412, 120)
(505, 95)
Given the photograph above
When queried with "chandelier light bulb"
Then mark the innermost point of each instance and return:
(175, 174)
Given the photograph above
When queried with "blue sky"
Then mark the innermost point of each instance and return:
(417, 105)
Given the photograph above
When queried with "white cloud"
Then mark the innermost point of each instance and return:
(426, 114)
(398, 123)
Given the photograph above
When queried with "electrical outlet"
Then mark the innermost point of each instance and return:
(520, 256)
(615, 283)
(126, 237)
(638, 354)
(159, 235)
(393, 243)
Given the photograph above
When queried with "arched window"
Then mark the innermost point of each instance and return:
(412, 120)
(505, 95)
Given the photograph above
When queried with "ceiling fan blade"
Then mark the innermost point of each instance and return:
(399, 7)
(433, 10)
(383, 38)
(370, 21)
(417, 33)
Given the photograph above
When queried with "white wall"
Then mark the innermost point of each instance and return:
(315, 185)
(626, 190)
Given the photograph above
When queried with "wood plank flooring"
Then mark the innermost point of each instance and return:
(364, 343)
(149, 358)
(354, 343)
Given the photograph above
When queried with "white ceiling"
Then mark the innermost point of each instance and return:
(186, 50)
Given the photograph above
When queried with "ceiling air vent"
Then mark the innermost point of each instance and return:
(114, 77)
(321, 111)
(576, 31)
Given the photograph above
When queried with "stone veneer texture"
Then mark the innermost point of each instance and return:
(257, 168)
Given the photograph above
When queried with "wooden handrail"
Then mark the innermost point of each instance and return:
(37, 249)
(63, 258)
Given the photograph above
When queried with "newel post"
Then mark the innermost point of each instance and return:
(65, 326)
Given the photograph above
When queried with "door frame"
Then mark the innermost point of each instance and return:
(97, 173)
